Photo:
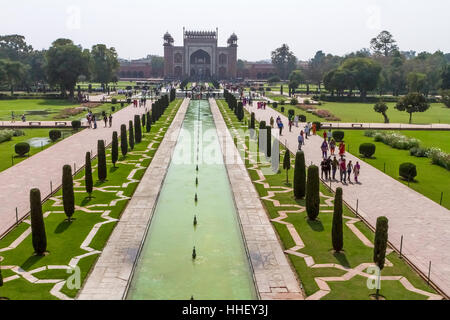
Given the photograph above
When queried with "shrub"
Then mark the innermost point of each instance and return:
(337, 227)
(302, 118)
(394, 139)
(439, 157)
(101, 155)
(275, 105)
(283, 102)
(367, 149)
(307, 101)
(89, 184)
(291, 113)
(282, 109)
(115, 148)
(313, 193)
(123, 140)
(338, 136)
(76, 124)
(67, 192)
(380, 243)
(22, 148)
(114, 100)
(6, 135)
(113, 109)
(39, 238)
(408, 171)
(294, 101)
(419, 152)
(54, 135)
(300, 176)
(137, 128)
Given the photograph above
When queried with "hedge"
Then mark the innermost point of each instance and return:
(367, 149)
(338, 136)
(76, 124)
(408, 171)
(54, 135)
(22, 148)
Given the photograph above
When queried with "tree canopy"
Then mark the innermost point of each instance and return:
(411, 103)
(384, 43)
(104, 63)
(284, 61)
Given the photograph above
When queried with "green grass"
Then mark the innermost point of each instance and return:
(431, 179)
(45, 109)
(317, 239)
(64, 238)
(7, 147)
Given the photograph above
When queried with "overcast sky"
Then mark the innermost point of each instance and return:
(135, 27)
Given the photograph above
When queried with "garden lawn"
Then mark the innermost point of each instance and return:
(317, 239)
(431, 179)
(63, 238)
(7, 147)
(46, 109)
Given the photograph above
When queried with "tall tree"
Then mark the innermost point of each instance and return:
(382, 107)
(67, 192)
(300, 175)
(284, 61)
(65, 63)
(15, 48)
(89, 184)
(384, 43)
(295, 79)
(38, 235)
(287, 164)
(13, 71)
(364, 72)
(102, 170)
(104, 64)
(380, 244)
(337, 235)
(313, 193)
(123, 140)
(115, 148)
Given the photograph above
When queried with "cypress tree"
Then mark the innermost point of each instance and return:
(148, 126)
(300, 175)
(68, 194)
(262, 140)
(89, 184)
(131, 136)
(380, 245)
(115, 148)
(123, 140)
(137, 129)
(143, 120)
(337, 236)
(287, 164)
(252, 121)
(101, 155)
(269, 141)
(154, 113)
(38, 235)
(312, 193)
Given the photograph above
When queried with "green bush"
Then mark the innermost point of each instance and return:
(6, 135)
(313, 193)
(302, 118)
(114, 100)
(68, 194)
(294, 101)
(38, 235)
(380, 242)
(76, 124)
(283, 102)
(300, 176)
(101, 155)
(282, 109)
(54, 135)
(252, 120)
(148, 124)
(419, 152)
(22, 148)
(408, 171)
(275, 105)
(367, 149)
(307, 101)
(113, 109)
(338, 136)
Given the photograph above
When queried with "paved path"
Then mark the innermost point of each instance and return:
(385, 126)
(38, 124)
(113, 271)
(274, 278)
(424, 224)
(46, 166)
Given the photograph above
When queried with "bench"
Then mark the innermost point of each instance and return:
(34, 122)
(60, 123)
(357, 125)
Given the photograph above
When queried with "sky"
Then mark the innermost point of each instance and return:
(136, 27)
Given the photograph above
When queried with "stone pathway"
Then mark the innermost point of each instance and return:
(46, 166)
(424, 224)
(275, 280)
(103, 209)
(113, 271)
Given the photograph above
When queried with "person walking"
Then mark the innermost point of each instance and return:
(271, 122)
(314, 129)
(110, 120)
(323, 168)
(324, 148)
(328, 167)
(325, 134)
(290, 125)
(342, 149)
(300, 141)
(280, 126)
(296, 121)
(94, 121)
(349, 171)
(105, 119)
(356, 170)
(343, 170)
(334, 166)
(330, 135)
(332, 146)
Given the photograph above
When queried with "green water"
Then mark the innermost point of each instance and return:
(165, 269)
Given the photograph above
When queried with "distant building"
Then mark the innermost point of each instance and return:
(138, 69)
(257, 71)
(200, 57)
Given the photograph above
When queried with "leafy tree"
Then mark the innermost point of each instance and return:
(104, 64)
(382, 107)
(384, 44)
(157, 64)
(131, 135)
(284, 61)
(115, 148)
(123, 140)
(89, 184)
(15, 48)
(65, 63)
(446, 97)
(67, 192)
(411, 103)
(313, 193)
(13, 72)
(337, 228)
(295, 79)
(417, 82)
(364, 72)
(380, 243)
(300, 175)
(39, 238)
(446, 77)
(101, 155)
(287, 164)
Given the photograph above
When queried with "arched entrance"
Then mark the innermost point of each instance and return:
(200, 62)
(178, 72)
